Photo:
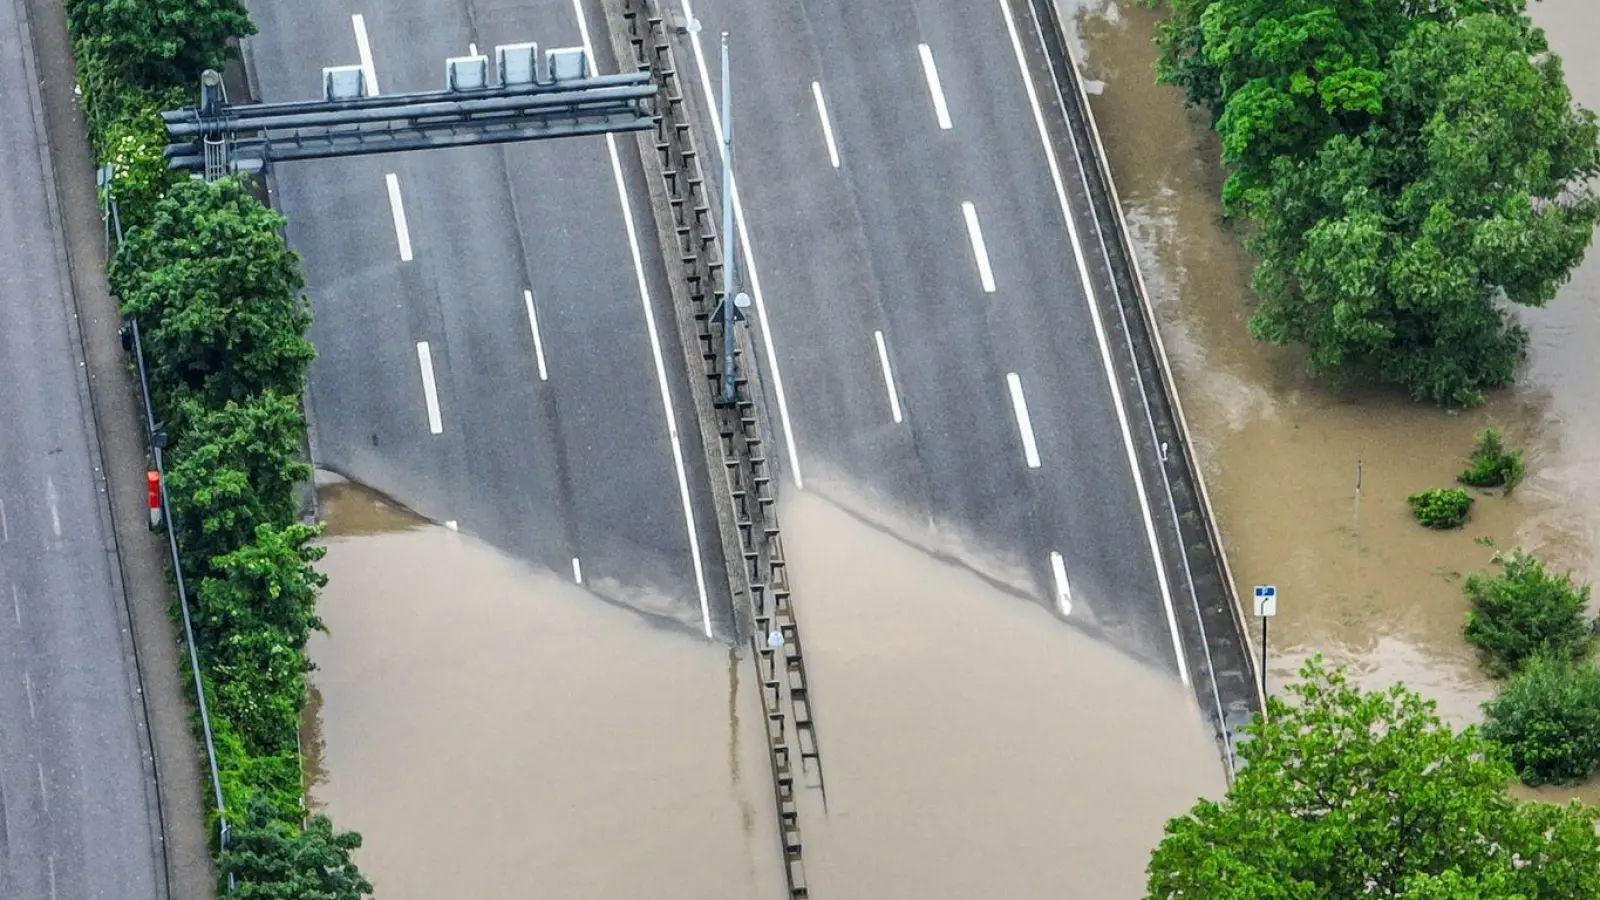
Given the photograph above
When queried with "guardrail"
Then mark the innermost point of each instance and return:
(1233, 688)
(156, 441)
(745, 497)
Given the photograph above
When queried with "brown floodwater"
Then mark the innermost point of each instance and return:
(495, 731)
(973, 743)
(488, 727)
(1360, 582)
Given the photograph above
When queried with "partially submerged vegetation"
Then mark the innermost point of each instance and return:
(1410, 172)
(1492, 464)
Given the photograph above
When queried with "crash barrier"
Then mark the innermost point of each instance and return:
(1221, 658)
(732, 432)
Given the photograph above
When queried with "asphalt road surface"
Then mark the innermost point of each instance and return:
(928, 320)
(492, 323)
(78, 814)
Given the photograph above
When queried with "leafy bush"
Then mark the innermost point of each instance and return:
(254, 617)
(1548, 719)
(1491, 464)
(275, 778)
(216, 290)
(273, 860)
(133, 142)
(1441, 508)
(233, 470)
(1525, 612)
(159, 43)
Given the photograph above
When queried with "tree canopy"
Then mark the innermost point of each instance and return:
(1413, 170)
(253, 617)
(1346, 793)
(158, 43)
(233, 469)
(217, 293)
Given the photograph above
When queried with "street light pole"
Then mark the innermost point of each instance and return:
(729, 254)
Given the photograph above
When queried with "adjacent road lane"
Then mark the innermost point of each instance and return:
(78, 815)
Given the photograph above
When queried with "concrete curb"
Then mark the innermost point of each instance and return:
(116, 421)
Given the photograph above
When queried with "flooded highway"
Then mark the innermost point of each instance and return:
(491, 729)
(486, 726)
(973, 742)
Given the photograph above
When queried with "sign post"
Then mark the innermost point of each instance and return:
(1266, 608)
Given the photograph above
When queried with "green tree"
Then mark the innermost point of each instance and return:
(1394, 251)
(160, 43)
(272, 860)
(1548, 719)
(271, 582)
(1282, 76)
(1346, 793)
(253, 617)
(216, 291)
(1290, 74)
(1525, 611)
(234, 469)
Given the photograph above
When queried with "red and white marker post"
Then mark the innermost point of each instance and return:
(152, 481)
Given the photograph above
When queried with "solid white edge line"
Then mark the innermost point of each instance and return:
(1019, 407)
(1100, 337)
(402, 231)
(538, 342)
(364, 47)
(430, 390)
(931, 73)
(1058, 568)
(749, 258)
(827, 127)
(655, 345)
(980, 250)
(577, 571)
(888, 376)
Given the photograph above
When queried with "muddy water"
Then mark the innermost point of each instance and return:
(975, 745)
(495, 731)
(1359, 581)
